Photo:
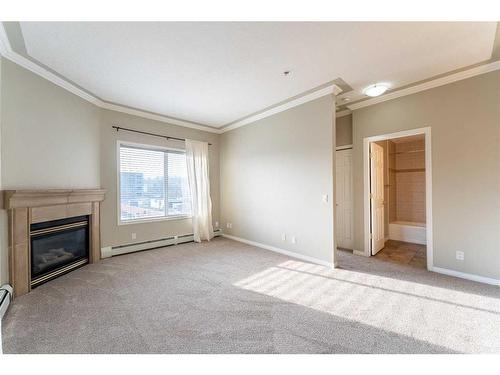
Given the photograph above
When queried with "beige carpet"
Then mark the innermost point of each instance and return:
(227, 297)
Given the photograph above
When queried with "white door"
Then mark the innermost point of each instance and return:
(377, 197)
(343, 201)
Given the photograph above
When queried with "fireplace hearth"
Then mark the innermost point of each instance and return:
(57, 247)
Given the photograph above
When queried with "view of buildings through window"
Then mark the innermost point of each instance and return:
(153, 184)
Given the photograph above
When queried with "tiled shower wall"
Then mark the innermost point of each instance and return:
(409, 176)
(391, 202)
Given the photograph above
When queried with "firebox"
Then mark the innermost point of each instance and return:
(57, 247)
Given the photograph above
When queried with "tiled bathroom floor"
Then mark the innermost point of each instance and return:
(404, 253)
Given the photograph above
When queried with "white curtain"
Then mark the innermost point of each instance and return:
(199, 186)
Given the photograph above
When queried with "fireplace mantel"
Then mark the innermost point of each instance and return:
(37, 198)
(26, 207)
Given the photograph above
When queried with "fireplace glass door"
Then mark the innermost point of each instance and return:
(57, 249)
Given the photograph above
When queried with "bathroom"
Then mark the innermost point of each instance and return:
(404, 199)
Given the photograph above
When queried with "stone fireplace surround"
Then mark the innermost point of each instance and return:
(26, 207)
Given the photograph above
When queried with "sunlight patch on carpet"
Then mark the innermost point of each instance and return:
(436, 315)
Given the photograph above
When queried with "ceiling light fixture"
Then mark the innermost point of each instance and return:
(376, 89)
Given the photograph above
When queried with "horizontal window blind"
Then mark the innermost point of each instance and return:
(153, 184)
(178, 197)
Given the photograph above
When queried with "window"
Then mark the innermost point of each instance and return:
(153, 183)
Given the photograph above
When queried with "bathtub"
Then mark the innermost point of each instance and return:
(407, 231)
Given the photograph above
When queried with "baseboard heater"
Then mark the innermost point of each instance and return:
(6, 294)
(111, 251)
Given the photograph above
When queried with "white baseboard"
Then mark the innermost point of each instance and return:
(467, 276)
(111, 251)
(281, 251)
(461, 275)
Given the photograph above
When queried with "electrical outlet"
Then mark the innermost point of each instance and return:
(283, 237)
(134, 236)
(460, 255)
(217, 224)
(294, 239)
(229, 225)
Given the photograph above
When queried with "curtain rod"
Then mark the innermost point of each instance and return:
(153, 134)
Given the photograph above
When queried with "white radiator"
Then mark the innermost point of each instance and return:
(107, 252)
(5, 298)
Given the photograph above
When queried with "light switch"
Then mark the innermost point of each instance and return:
(325, 198)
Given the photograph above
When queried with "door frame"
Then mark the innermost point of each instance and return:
(426, 131)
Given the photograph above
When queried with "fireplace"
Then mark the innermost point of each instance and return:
(57, 247)
(51, 232)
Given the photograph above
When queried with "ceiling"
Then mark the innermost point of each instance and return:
(217, 73)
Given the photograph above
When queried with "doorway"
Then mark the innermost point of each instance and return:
(397, 197)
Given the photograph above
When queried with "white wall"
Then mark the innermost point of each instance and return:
(273, 175)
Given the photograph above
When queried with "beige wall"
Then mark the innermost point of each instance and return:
(49, 137)
(464, 118)
(344, 130)
(275, 171)
(113, 234)
(273, 175)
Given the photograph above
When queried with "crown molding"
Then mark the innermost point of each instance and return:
(158, 117)
(49, 76)
(343, 113)
(4, 41)
(7, 52)
(22, 61)
(328, 90)
(478, 70)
